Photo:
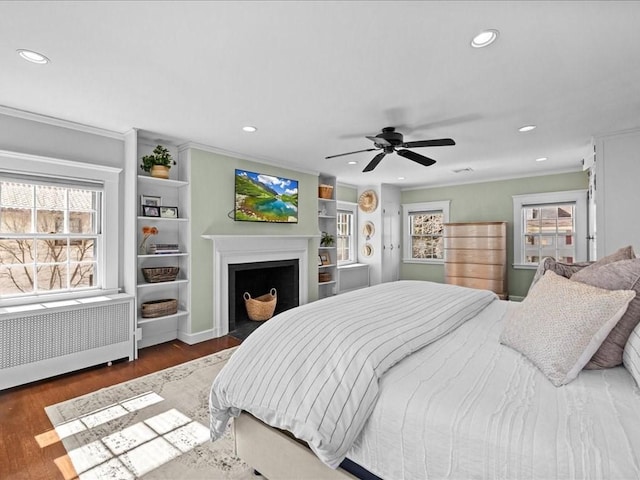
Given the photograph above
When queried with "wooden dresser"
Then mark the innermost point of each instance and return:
(475, 255)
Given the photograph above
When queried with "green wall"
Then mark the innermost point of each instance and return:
(486, 202)
(212, 200)
(346, 194)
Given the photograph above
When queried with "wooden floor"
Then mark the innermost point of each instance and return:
(22, 415)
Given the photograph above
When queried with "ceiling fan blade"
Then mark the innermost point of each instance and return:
(374, 163)
(416, 157)
(440, 142)
(379, 141)
(350, 153)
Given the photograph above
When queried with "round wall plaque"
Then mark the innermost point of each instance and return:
(368, 201)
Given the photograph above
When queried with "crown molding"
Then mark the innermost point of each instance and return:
(228, 153)
(58, 122)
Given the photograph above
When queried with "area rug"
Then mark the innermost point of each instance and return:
(152, 427)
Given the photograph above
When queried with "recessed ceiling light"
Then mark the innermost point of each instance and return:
(485, 38)
(400, 178)
(352, 162)
(527, 128)
(541, 159)
(249, 129)
(33, 57)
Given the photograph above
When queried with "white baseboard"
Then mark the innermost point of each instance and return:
(193, 338)
(516, 298)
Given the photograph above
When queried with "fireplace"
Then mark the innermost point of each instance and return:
(258, 278)
(243, 249)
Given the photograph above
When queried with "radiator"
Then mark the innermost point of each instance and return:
(42, 343)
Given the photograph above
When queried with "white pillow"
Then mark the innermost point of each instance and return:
(560, 324)
(631, 355)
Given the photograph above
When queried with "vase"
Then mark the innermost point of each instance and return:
(142, 248)
(160, 171)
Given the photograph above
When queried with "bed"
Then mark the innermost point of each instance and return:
(442, 397)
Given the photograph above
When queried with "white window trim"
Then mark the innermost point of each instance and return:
(579, 197)
(353, 208)
(408, 209)
(108, 250)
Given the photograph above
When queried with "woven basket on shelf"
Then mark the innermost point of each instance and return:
(325, 191)
(159, 308)
(324, 277)
(261, 308)
(160, 274)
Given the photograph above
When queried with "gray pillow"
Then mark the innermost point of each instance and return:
(622, 275)
(566, 270)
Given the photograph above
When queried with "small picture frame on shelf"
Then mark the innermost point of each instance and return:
(169, 212)
(150, 200)
(150, 211)
(324, 259)
(319, 260)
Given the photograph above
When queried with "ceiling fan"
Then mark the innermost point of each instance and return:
(389, 140)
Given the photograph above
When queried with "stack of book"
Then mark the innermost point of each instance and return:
(163, 248)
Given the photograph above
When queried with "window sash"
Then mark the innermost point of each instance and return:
(547, 232)
(424, 243)
(564, 242)
(27, 270)
(345, 239)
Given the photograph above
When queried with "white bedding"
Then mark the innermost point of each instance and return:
(466, 407)
(314, 370)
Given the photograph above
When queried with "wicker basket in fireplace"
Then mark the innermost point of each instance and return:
(261, 308)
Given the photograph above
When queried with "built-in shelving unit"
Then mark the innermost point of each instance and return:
(327, 222)
(172, 230)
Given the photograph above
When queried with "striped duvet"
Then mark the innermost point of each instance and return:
(314, 370)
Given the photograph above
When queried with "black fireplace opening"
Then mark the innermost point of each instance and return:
(258, 278)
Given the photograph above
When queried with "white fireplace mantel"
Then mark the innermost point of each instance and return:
(237, 249)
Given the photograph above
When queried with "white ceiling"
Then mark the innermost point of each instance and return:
(316, 77)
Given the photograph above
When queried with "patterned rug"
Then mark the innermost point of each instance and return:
(152, 427)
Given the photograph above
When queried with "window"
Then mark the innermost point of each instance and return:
(59, 229)
(49, 236)
(346, 240)
(423, 223)
(549, 225)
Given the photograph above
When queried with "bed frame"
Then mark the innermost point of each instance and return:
(276, 455)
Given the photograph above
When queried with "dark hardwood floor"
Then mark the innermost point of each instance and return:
(22, 415)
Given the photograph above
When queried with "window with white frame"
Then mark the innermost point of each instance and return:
(423, 224)
(49, 236)
(550, 225)
(346, 239)
(56, 232)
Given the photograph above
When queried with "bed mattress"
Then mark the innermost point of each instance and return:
(468, 407)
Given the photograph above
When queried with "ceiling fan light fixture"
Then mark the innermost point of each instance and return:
(527, 128)
(250, 129)
(33, 57)
(485, 38)
(541, 159)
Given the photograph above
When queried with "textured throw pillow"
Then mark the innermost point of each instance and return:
(622, 275)
(631, 356)
(561, 324)
(568, 269)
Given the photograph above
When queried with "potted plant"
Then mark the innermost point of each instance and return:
(327, 239)
(158, 163)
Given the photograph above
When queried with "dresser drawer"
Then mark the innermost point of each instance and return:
(478, 243)
(497, 286)
(475, 230)
(475, 270)
(487, 257)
